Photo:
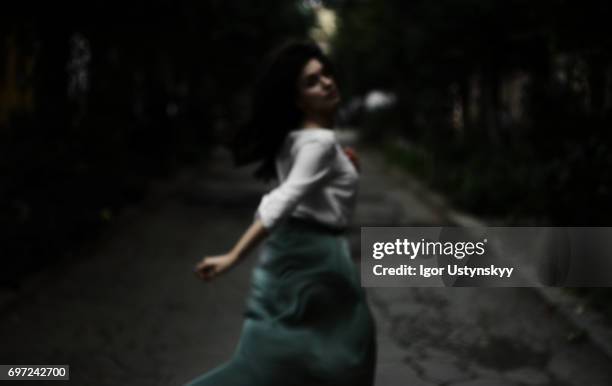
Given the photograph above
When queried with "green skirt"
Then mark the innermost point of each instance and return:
(307, 321)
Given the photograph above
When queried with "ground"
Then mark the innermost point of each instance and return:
(128, 310)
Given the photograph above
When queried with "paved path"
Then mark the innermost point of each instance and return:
(130, 311)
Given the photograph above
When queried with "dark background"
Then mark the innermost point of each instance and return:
(505, 104)
(503, 107)
(99, 98)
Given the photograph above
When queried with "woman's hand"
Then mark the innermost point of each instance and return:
(211, 266)
(352, 156)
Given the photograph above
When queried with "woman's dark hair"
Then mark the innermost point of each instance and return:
(274, 108)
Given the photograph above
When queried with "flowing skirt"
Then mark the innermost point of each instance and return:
(306, 321)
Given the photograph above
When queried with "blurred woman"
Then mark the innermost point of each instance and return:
(307, 321)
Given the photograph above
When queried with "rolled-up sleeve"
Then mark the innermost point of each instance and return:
(311, 166)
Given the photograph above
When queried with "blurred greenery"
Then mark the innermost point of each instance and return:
(99, 98)
(506, 106)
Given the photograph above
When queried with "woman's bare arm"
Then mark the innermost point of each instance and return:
(211, 266)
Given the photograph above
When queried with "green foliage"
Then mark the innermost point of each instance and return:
(438, 56)
(164, 82)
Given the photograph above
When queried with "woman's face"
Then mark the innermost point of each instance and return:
(317, 91)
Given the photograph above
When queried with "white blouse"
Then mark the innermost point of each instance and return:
(317, 181)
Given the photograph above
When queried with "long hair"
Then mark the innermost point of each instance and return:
(274, 109)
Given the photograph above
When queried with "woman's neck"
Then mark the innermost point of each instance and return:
(318, 122)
